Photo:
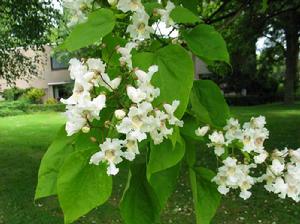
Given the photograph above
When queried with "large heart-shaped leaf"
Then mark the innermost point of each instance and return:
(99, 23)
(164, 183)
(205, 194)
(164, 156)
(82, 186)
(61, 147)
(139, 203)
(205, 42)
(208, 103)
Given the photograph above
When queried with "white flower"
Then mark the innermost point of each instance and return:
(129, 5)
(76, 8)
(76, 68)
(95, 64)
(201, 131)
(78, 115)
(218, 142)
(280, 187)
(232, 176)
(75, 120)
(159, 129)
(111, 153)
(233, 131)
(77, 4)
(137, 123)
(126, 54)
(261, 157)
(145, 78)
(120, 114)
(135, 95)
(277, 167)
(139, 29)
(223, 189)
(165, 14)
(80, 95)
(256, 123)
(295, 155)
(245, 194)
(132, 148)
(145, 90)
(283, 179)
(170, 109)
(110, 84)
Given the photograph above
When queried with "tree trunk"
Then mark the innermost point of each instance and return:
(291, 62)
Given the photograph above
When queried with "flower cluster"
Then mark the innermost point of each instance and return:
(141, 119)
(77, 9)
(140, 29)
(282, 176)
(252, 137)
(282, 167)
(83, 106)
(233, 175)
(249, 140)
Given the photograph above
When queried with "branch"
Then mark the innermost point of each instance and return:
(217, 11)
(231, 14)
(282, 12)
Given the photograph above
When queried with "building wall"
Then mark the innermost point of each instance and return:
(46, 79)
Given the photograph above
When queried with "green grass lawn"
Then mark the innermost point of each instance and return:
(25, 138)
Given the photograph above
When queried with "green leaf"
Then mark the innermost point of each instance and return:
(82, 186)
(99, 23)
(53, 159)
(139, 203)
(206, 43)
(175, 75)
(191, 5)
(183, 15)
(164, 156)
(208, 103)
(205, 194)
(164, 183)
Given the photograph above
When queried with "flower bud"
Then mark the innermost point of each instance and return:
(112, 2)
(120, 114)
(85, 129)
(202, 131)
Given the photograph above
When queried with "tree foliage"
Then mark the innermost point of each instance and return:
(24, 25)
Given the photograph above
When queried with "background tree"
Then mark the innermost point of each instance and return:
(24, 25)
(245, 22)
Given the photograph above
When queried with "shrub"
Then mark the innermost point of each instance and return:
(22, 107)
(51, 101)
(4, 112)
(45, 107)
(35, 95)
(13, 93)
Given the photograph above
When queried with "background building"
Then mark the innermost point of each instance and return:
(53, 78)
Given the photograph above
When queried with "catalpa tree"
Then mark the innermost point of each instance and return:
(137, 107)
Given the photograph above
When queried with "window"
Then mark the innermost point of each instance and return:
(56, 65)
